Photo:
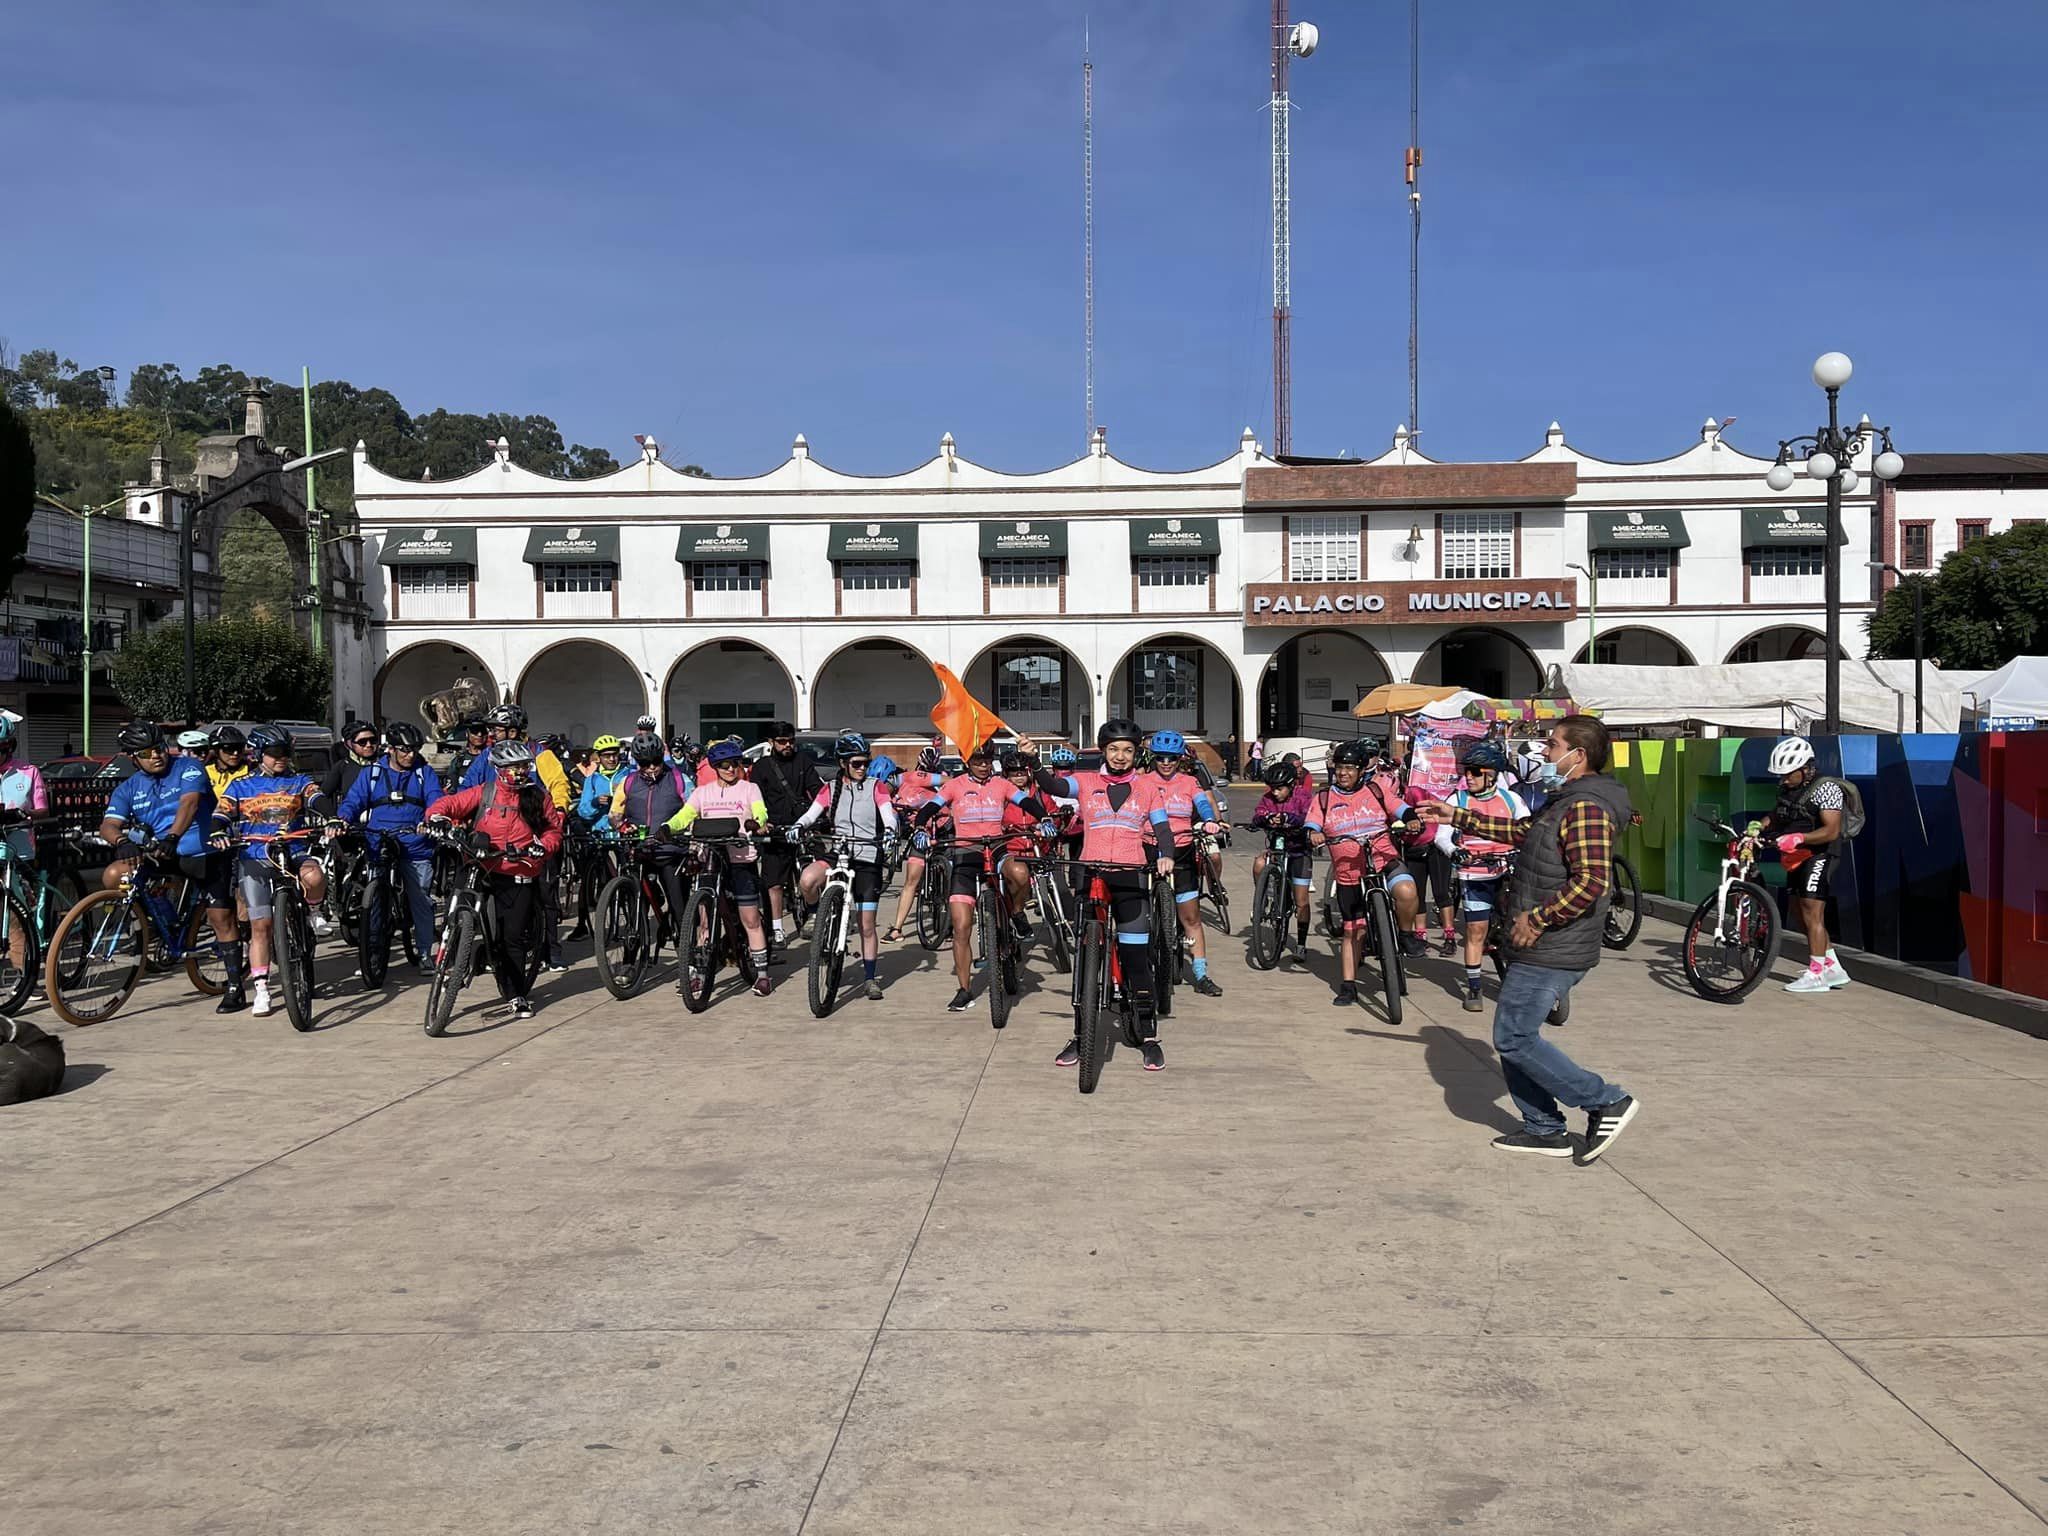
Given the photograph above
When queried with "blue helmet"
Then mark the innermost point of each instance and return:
(1062, 756)
(6, 729)
(883, 769)
(850, 744)
(723, 752)
(1486, 756)
(1168, 744)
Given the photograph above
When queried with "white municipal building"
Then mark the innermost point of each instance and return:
(1249, 595)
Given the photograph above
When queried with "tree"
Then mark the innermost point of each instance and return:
(1987, 604)
(243, 669)
(17, 491)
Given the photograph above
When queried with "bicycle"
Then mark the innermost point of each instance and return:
(1215, 900)
(1731, 942)
(632, 917)
(469, 924)
(710, 916)
(995, 938)
(376, 895)
(1050, 893)
(1500, 947)
(1099, 996)
(346, 859)
(1166, 943)
(1382, 935)
(1272, 900)
(836, 924)
(28, 917)
(934, 925)
(103, 944)
(291, 925)
(1624, 906)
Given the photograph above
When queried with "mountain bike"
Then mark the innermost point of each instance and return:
(375, 895)
(103, 944)
(993, 934)
(1382, 935)
(1054, 900)
(1166, 942)
(272, 860)
(1500, 948)
(1624, 906)
(1215, 899)
(1731, 943)
(631, 917)
(1272, 899)
(29, 915)
(469, 923)
(934, 922)
(1101, 1002)
(837, 923)
(347, 857)
(711, 919)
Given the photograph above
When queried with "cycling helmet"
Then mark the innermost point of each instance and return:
(723, 752)
(1790, 755)
(476, 727)
(228, 738)
(688, 749)
(1025, 758)
(982, 751)
(1118, 730)
(647, 748)
(194, 741)
(1348, 753)
(404, 736)
(557, 744)
(1168, 744)
(606, 743)
(270, 741)
(140, 736)
(883, 768)
(1280, 775)
(850, 744)
(510, 716)
(511, 754)
(646, 723)
(6, 729)
(1062, 756)
(929, 761)
(1485, 756)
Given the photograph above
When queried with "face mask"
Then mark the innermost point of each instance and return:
(1550, 775)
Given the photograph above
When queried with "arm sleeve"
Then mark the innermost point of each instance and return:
(357, 800)
(549, 767)
(885, 810)
(459, 806)
(811, 813)
(680, 822)
(1205, 807)
(1031, 805)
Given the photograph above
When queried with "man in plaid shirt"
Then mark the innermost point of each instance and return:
(1558, 907)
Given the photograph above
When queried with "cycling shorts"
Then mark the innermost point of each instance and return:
(743, 884)
(1480, 899)
(776, 862)
(966, 883)
(256, 884)
(867, 884)
(1301, 869)
(1813, 878)
(1351, 906)
(1187, 872)
(212, 875)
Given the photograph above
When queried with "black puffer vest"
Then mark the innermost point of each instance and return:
(1540, 874)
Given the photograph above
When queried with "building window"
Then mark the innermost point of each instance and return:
(579, 576)
(1632, 564)
(1174, 570)
(1787, 560)
(1916, 546)
(1321, 549)
(1969, 533)
(1030, 683)
(728, 575)
(431, 592)
(1478, 545)
(1039, 571)
(1167, 682)
(876, 575)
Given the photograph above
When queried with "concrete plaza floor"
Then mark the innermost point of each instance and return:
(623, 1269)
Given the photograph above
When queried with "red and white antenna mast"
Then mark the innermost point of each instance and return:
(1088, 225)
(1299, 40)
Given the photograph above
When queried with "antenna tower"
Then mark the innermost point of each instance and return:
(1414, 170)
(1283, 277)
(1088, 224)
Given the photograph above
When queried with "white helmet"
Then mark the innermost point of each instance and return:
(1789, 756)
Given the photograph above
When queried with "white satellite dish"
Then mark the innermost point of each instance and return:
(1303, 37)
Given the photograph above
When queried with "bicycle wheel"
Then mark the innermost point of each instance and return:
(828, 950)
(96, 958)
(376, 911)
(934, 922)
(623, 936)
(204, 967)
(1091, 1011)
(1268, 933)
(1380, 917)
(699, 943)
(1333, 921)
(352, 905)
(794, 907)
(1165, 947)
(988, 924)
(1731, 942)
(293, 930)
(453, 957)
(1624, 906)
(21, 956)
(1219, 906)
(1059, 932)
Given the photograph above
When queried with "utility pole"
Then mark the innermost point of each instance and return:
(1088, 225)
(1414, 173)
(313, 528)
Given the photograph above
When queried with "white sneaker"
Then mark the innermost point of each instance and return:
(261, 1007)
(1837, 977)
(1813, 979)
(323, 926)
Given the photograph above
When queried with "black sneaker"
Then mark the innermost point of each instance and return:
(1414, 944)
(962, 1001)
(1606, 1123)
(554, 962)
(580, 931)
(233, 1000)
(522, 1007)
(1155, 1058)
(1069, 1057)
(1297, 951)
(1447, 946)
(1022, 924)
(1347, 995)
(1559, 1145)
(1206, 985)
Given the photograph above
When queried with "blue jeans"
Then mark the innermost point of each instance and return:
(1540, 1076)
(417, 875)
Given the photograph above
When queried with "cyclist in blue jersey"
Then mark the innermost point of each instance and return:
(391, 795)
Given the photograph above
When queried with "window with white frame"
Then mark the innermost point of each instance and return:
(578, 576)
(876, 575)
(1478, 545)
(1321, 548)
(1786, 560)
(1035, 571)
(1632, 564)
(1173, 570)
(431, 591)
(728, 575)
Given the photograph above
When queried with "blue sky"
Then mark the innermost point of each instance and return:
(727, 223)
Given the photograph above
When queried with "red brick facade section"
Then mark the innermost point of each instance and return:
(1353, 485)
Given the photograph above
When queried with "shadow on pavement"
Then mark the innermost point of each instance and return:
(1470, 1085)
(79, 1073)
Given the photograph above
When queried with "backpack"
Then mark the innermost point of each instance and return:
(1852, 804)
(31, 1062)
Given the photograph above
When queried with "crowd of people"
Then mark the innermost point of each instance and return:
(1529, 838)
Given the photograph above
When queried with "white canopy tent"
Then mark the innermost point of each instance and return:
(1765, 695)
(2016, 691)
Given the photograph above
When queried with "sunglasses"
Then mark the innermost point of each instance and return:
(783, 741)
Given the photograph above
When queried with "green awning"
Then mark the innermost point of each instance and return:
(1637, 530)
(1175, 536)
(1022, 540)
(698, 542)
(1766, 527)
(428, 546)
(872, 541)
(573, 543)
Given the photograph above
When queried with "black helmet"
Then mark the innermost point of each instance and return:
(850, 744)
(476, 727)
(404, 735)
(510, 716)
(229, 738)
(1351, 753)
(1117, 729)
(140, 736)
(647, 749)
(1280, 775)
(511, 754)
(274, 740)
(982, 751)
(1485, 755)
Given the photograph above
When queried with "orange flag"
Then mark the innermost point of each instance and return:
(959, 716)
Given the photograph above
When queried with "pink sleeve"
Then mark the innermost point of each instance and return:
(38, 796)
(823, 796)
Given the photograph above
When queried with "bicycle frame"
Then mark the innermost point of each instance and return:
(1739, 863)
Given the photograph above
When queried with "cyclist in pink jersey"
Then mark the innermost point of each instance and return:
(1353, 817)
(918, 789)
(1480, 882)
(975, 800)
(1178, 803)
(1116, 814)
(730, 795)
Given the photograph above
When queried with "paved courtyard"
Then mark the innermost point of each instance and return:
(621, 1269)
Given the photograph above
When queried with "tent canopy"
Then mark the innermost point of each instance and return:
(1401, 698)
(1764, 695)
(2017, 689)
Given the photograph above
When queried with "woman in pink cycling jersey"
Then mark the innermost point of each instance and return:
(917, 790)
(23, 801)
(975, 800)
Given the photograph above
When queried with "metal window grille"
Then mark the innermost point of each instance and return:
(1320, 549)
(1626, 564)
(876, 575)
(433, 580)
(1027, 681)
(1787, 560)
(1166, 681)
(1037, 571)
(1184, 570)
(1478, 545)
(577, 576)
(728, 575)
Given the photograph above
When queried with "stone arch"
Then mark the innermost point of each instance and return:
(1639, 645)
(1208, 704)
(1069, 716)
(903, 690)
(1297, 699)
(751, 688)
(582, 688)
(1781, 642)
(1484, 659)
(421, 668)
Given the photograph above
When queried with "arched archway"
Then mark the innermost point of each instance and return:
(1491, 662)
(1178, 682)
(727, 687)
(879, 687)
(582, 688)
(1634, 645)
(418, 670)
(1037, 686)
(1781, 642)
(1310, 683)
